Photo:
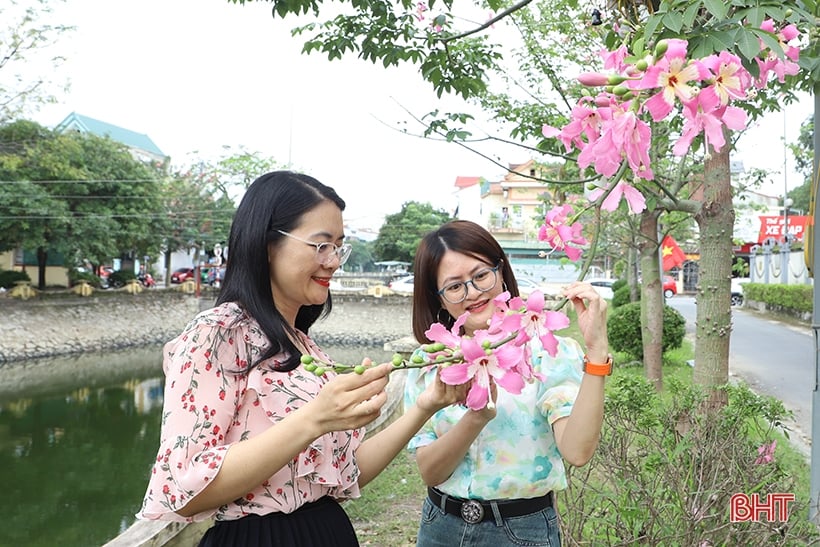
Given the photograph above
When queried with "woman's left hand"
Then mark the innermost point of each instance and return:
(590, 309)
(438, 395)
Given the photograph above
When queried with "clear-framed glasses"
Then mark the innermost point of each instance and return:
(325, 251)
(483, 281)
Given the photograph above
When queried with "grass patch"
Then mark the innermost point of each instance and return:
(388, 513)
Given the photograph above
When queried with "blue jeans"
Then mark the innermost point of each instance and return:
(440, 529)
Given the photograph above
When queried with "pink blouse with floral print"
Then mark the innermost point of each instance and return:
(212, 401)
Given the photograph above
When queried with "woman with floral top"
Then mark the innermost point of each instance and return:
(249, 437)
(492, 472)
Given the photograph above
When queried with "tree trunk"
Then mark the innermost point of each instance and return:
(714, 317)
(42, 259)
(167, 256)
(632, 273)
(651, 299)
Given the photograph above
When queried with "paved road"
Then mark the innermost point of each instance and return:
(772, 357)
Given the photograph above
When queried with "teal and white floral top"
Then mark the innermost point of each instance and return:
(515, 455)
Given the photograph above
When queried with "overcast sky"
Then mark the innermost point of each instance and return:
(198, 75)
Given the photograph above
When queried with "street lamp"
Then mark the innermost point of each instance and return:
(787, 203)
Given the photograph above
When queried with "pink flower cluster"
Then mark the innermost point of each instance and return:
(500, 352)
(608, 128)
(560, 233)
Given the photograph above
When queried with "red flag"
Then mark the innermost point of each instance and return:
(671, 254)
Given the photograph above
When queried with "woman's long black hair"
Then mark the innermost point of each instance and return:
(275, 201)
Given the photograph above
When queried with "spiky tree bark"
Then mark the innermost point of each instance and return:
(714, 318)
(651, 299)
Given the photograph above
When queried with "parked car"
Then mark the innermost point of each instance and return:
(527, 285)
(402, 285)
(737, 290)
(602, 285)
(181, 275)
(670, 286)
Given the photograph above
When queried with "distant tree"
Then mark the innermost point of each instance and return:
(26, 40)
(80, 195)
(361, 257)
(401, 232)
(803, 151)
(198, 212)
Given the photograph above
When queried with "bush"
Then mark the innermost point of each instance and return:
(8, 278)
(665, 470)
(787, 297)
(618, 283)
(621, 296)
(120, 278)
(76, 277)
(624, 329)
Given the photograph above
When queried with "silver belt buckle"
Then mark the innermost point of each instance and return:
(472, 512)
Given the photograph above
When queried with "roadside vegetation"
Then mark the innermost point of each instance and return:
(663, 473)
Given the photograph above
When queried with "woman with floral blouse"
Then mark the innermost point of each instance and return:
(492, 472)
(249, 437)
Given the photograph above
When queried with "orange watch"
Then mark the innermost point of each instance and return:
(596, 369)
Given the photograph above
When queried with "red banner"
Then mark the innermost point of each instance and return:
(772, 227)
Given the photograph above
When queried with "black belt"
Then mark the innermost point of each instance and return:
(474, 511)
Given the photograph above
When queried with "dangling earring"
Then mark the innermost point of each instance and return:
(504, 285)
(448, 319)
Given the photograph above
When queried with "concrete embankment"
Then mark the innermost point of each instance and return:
(48, 327)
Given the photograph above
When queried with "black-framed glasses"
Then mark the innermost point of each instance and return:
(483, 281)
(325, 251)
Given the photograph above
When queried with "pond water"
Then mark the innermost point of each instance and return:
(78, 436)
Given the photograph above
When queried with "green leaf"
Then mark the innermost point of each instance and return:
(748, 45)
(690, 15)
(770, 41)
(651, 27)
(673, 21)
(717, 8)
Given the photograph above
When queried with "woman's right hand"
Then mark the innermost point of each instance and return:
(349, 401)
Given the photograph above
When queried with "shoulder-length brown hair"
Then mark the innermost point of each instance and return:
(460, 236)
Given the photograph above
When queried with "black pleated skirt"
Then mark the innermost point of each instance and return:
(322, 523)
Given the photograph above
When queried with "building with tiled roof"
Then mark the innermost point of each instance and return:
(140, 145)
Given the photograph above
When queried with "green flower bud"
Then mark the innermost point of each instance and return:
(488, 351)
(359, 369)
(319, 371)
(310, 367)
(418, 359)
(486, 344)
(397, 359)
(789, 12)
(642, 65)
(661, 48)
(615, 79)
(438, 346)
(620, 90)
(306, 359)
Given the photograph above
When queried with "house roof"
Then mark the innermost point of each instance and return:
(132, 139)
(466, 182)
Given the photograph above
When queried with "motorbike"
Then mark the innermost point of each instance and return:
(146, 279)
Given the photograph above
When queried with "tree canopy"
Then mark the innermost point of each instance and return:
(401, 232)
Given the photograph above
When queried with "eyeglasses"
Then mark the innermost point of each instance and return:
(483, 281)
(325, 251)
